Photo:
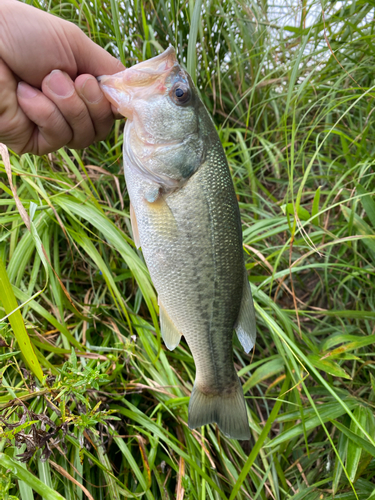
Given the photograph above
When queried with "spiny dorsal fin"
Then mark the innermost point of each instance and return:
(245, 326)
(169, 332)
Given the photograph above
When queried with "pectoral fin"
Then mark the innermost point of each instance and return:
(162, 217)
(245, 325)
(169, 332)
(133, 220)
(152, 193)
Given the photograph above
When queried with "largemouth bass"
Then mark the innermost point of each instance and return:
(186, 219)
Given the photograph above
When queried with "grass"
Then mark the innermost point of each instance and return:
(102, 413)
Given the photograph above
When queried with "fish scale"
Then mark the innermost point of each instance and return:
(186, 219)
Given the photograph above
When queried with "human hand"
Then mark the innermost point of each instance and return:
(49, 96)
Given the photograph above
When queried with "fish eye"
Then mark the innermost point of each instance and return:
(181, 93)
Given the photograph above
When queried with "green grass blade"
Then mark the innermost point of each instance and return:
(259, 443)
(116, 25)
(368, 204)
(192, 45)
(9, 302)
(355, 438)
(27, 477)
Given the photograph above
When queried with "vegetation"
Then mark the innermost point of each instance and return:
(92, 404)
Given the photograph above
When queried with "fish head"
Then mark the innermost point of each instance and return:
(161, 105)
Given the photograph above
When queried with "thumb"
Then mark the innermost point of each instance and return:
(90, 57)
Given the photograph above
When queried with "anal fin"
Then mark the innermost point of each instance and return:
(133, 220)
(169, 332)
(245, 326)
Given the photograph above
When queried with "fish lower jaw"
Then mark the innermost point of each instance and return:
(146, 150)
(147, 142)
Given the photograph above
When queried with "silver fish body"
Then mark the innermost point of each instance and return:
(185, 217)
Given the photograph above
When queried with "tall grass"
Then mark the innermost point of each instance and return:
(292, 95)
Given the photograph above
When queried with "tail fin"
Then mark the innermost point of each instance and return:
(227, 410)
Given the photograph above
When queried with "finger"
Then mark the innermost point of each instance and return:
(51, 131)
(15, 128)
(99, 62)
(59, 88)
(97, 105)
(33, 43)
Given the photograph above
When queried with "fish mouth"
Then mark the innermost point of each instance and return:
(145, 78)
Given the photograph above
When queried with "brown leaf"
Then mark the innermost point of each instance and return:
(66, 474)
(5, 155)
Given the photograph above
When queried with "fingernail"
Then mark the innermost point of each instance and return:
(91, 91)
(26, 91)
(60, 83)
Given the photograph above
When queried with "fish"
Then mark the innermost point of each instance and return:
(185, 218)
